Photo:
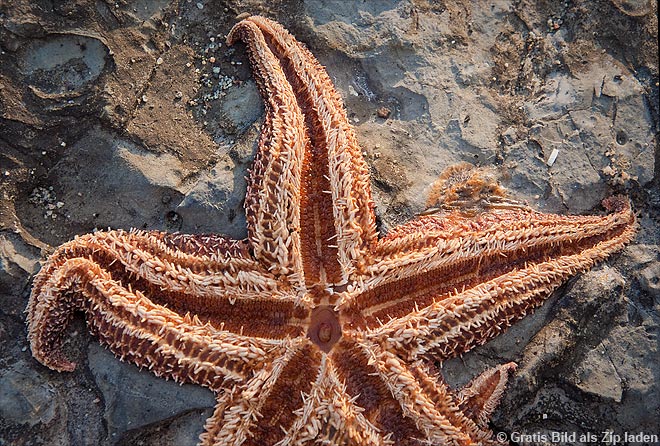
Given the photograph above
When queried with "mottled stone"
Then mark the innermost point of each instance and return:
(146, 400)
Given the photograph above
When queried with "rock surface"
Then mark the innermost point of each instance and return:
(136, 114)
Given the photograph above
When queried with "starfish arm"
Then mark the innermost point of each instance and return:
(457, 282)
(330, 416)
(457, 408)
(213, 425)
(219, 282)
(264, 409)
(326, 413)
(272, 202)
(404, 401)
(306, 426)
(336, 218)
(134, 328)
(347, 423)
(481, 396)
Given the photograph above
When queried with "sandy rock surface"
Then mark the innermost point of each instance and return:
(136, 114)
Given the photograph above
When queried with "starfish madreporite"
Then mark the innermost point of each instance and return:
(314, 329)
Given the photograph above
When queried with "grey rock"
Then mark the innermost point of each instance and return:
(596, 375)
(144, 399)
(16, 258)
(242, 106)
(37, 405)
(648, 271)
(642, 253)
(573, 176)
(17, 261)
(215, 203)
(181, 430)
(63, 65)
(131, 179)
(26, 399)
(649, 278)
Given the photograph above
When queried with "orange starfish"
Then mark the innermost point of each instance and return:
(314, 329)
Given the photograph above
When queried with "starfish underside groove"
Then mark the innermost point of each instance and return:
(314, 329)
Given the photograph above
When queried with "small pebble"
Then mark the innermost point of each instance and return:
(200, 6)
(384, 112)
(159, 61)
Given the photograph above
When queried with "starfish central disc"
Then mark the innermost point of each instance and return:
(324, 328)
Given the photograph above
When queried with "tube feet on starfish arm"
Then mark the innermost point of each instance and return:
(314, 329)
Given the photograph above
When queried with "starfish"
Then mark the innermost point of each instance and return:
(315, 329)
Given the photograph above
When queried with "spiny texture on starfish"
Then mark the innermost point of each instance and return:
(314, 329)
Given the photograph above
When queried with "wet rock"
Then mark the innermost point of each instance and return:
(215, 203)
(147, 400)
(596, 375)
(181, 430)
(17, 261)
(106, 181)
(63, 64)
(650, 279)
(37, 405)
(25, 398)
(648, 272)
